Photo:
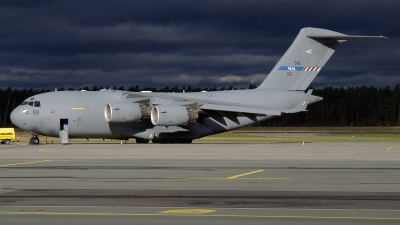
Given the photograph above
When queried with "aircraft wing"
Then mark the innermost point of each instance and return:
(229, 110)
(241, 108)
(213, 105)
(164, 99)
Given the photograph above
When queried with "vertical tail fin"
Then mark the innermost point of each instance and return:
(305, 58)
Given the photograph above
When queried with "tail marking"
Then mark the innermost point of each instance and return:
(312, 68)
(300, 68)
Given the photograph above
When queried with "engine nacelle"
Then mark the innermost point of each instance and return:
(170, 115)
(122, 112)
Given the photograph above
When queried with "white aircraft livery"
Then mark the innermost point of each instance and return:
(183, 117)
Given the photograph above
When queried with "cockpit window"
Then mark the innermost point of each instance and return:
(32, 103)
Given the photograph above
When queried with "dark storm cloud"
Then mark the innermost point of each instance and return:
(48, 44)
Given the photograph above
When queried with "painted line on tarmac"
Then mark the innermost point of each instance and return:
(393, 148)
(107, 157)
(114, 157)
(99, 158)
(24, 163)
(188, 211)
(245, 174)
(213, 178)
(199, 215)
(235, 177)
(49, 150)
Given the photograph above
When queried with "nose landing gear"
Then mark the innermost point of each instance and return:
(34, 140)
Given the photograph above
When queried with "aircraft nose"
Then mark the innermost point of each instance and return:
(15, 117)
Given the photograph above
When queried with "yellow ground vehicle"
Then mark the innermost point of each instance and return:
(7, 135)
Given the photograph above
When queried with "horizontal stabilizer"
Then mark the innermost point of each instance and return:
(345, 37)
(302, 105)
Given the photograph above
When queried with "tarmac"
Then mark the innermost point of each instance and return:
(224, 183)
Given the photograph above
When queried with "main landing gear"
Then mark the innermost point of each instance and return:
(34, 140)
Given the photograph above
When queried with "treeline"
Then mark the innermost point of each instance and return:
(359, 106)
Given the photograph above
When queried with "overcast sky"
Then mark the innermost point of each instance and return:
(72, 44)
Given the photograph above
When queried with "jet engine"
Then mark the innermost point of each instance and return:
(170, 115)
(122, 112)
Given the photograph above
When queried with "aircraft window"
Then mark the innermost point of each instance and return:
(30, 103)
(37, 103)
(24, 103)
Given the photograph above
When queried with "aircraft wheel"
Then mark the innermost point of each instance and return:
(7, 142)
(2, 142)
(36, 141)
(141, 141)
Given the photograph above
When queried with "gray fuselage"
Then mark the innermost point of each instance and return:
(82, 112)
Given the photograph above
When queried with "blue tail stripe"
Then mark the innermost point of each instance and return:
(291, 68)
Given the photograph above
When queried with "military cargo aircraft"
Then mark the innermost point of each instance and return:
(183, 117)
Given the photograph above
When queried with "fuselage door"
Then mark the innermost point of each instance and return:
(76, 121)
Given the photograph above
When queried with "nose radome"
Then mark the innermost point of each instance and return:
(15, 117)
